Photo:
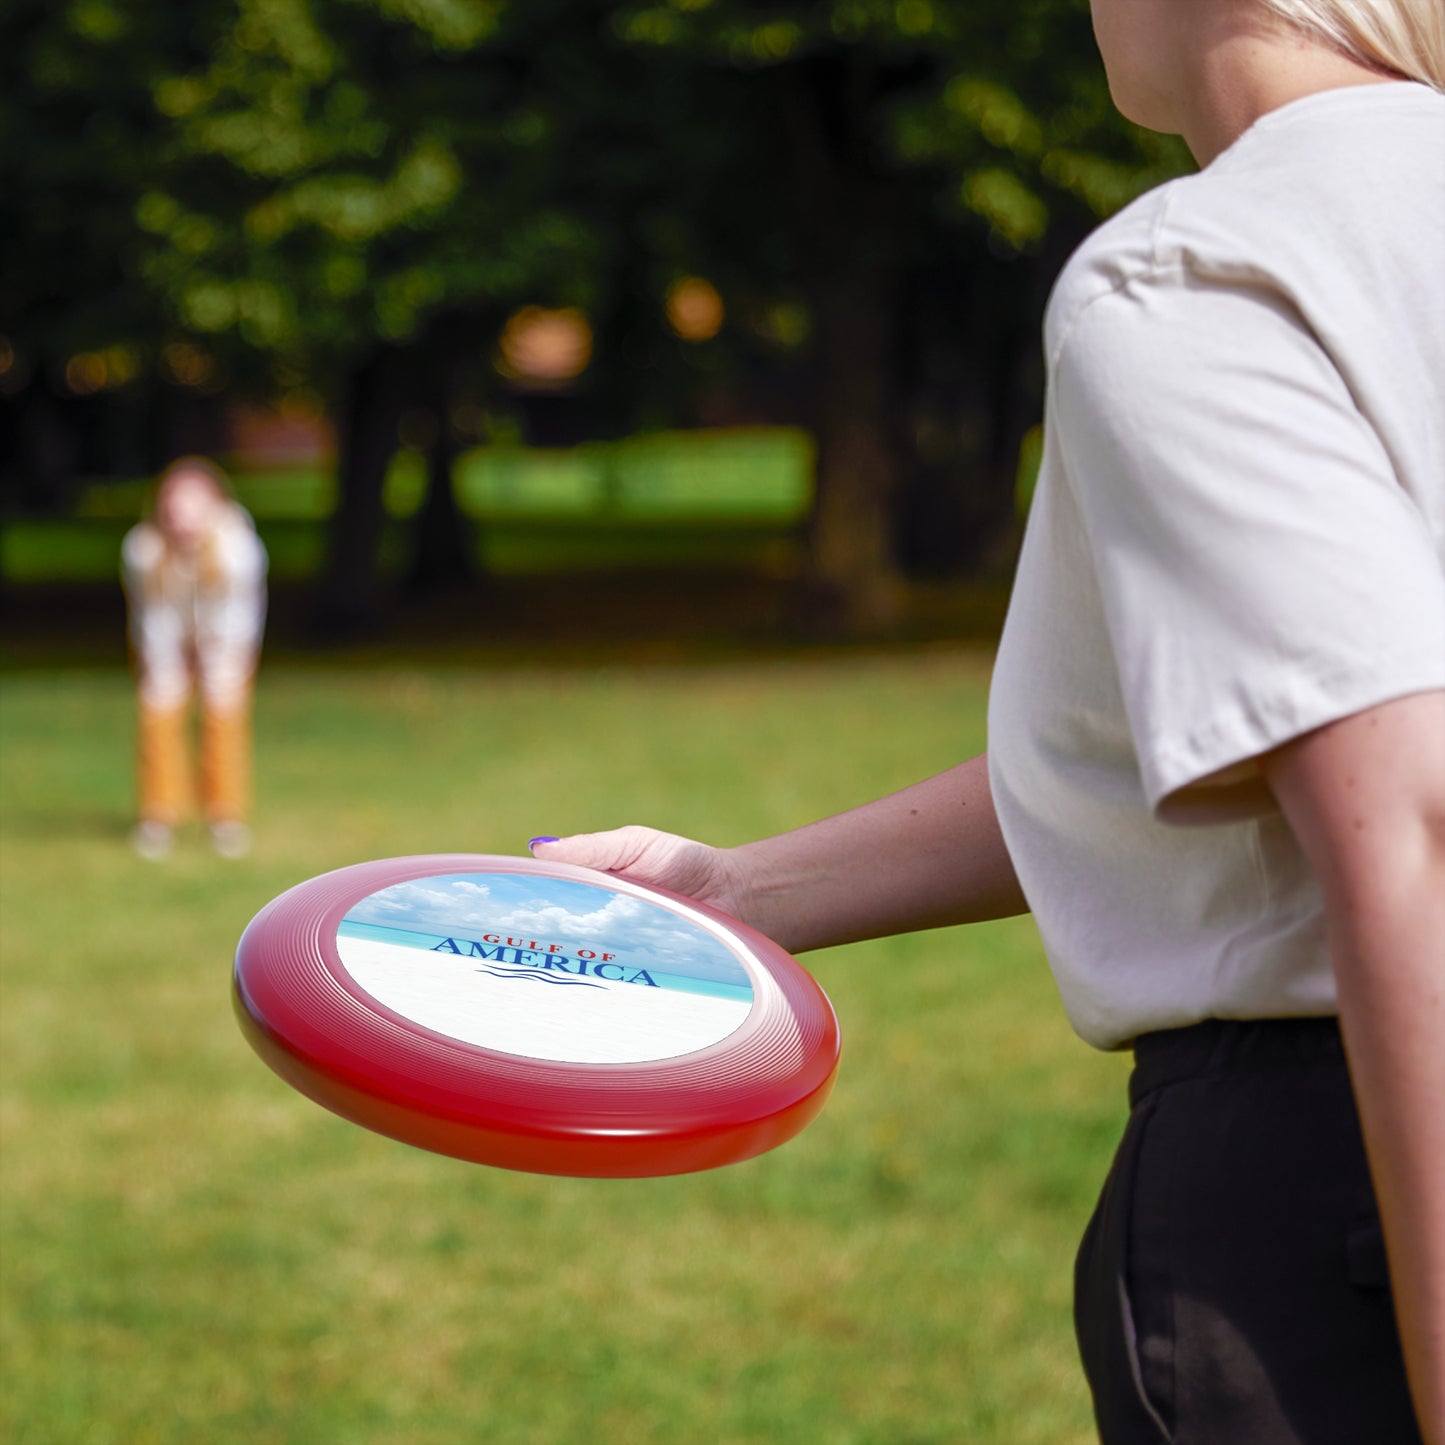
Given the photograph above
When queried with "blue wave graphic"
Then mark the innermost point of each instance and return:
(539, 977)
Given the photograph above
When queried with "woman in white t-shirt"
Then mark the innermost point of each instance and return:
(1217, 734)
(195, 582)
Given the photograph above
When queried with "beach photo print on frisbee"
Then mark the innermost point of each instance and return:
(535, 1016)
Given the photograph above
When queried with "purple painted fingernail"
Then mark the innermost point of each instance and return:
(532, 843)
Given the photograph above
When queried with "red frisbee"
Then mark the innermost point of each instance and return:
(535, 1016)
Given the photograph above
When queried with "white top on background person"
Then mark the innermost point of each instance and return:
(1238, 536)
(195, 579)
(1251, 532)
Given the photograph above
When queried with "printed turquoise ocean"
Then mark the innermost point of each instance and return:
(678, 982)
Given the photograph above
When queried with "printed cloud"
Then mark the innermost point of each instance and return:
(551, 911)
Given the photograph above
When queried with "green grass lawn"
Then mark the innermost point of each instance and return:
(192, 1252)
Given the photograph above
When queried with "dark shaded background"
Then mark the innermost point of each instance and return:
(305, 234)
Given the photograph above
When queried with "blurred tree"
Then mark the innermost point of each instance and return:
(917, 171)
(367, 188)
(79, 139)
(363, 190)
(355, 194)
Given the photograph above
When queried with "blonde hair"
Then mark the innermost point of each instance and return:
(1404, 37)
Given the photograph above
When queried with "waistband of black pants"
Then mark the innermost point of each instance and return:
(1225, 1046)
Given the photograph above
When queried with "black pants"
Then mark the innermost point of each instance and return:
(1231, 1288)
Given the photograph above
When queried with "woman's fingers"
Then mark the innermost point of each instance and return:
(615, 851)
(662, 860)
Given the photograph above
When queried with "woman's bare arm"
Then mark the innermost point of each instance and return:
(1366, 799)
(925, 857)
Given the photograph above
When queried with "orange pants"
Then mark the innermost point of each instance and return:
(163, 762)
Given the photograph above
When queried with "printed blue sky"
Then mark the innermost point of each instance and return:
(552, 910)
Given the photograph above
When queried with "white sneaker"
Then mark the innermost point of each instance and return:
(231, 839)
(152, 840)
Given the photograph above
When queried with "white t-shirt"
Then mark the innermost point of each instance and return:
(1238, 536)
(196, 620)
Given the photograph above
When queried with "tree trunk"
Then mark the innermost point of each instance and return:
(851, 554)
(47, 450)
(442, 557)
(851, 266)
(349, 601)
(443, 552)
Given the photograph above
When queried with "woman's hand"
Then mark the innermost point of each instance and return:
(658, 860)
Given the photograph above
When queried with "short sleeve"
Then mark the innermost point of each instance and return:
(1263, 571)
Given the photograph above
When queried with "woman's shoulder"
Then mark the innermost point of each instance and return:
(1338, 192)
(1117, 253)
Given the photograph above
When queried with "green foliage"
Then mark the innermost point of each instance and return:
(190, 1251)
(299, 178)
(1004, 106)
(79, 140)
(341, 171)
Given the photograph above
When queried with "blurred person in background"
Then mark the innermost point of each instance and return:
(195, 583)
(1216, 767)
